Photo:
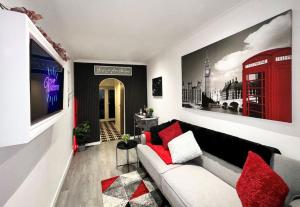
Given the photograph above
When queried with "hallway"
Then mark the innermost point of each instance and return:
(108, 131)
(111, 109)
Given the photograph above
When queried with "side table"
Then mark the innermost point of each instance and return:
(126, 146)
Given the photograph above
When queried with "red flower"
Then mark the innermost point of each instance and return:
(34, 17)
(31, 14)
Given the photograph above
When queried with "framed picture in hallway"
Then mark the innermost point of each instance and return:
(246, 74)
(157, 86)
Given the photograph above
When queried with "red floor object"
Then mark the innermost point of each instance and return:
(107, 183)
(132, 190)
(141, 190)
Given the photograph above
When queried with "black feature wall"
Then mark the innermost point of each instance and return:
(87, 95)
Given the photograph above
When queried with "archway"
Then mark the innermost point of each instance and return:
(111, 109)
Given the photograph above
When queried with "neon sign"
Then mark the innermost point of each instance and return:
(50, 85)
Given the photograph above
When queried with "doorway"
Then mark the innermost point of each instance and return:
(111, 109)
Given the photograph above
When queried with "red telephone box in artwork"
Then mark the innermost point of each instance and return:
(267, 85)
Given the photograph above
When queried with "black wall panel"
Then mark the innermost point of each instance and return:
(87, 94)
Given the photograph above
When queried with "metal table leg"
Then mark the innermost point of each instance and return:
(127, 160)
(127, 157)
(116, 156)
(137, 158)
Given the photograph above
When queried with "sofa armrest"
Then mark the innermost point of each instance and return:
(295, 203)
(143, 139)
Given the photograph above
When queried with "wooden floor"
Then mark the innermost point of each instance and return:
(82, 186)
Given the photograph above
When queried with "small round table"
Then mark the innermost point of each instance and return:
(126, 146)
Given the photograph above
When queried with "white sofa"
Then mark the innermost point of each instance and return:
(209, 181)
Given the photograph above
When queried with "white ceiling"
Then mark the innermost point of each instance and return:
(122, 30)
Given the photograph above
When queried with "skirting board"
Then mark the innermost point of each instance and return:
(93, 143)
(61, 182)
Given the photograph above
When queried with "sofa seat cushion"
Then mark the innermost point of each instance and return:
(286, 168)
(163, 153)
(191, 185)
(295, 203)
(154, 165)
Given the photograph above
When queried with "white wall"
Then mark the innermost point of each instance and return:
(284, 136)
(31, 174)
(117, 105)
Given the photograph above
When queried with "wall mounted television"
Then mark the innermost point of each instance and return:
(46, 84)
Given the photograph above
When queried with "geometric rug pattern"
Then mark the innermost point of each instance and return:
(108, 131)
(134, 189)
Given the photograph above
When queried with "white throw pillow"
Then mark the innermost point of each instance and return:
(184, 148)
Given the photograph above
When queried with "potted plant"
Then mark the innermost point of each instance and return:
(149, 113)
(125, 138)
(81, 132)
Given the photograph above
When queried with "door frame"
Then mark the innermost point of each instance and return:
(124, 101)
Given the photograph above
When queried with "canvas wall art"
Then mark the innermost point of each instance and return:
(246, 74)
(157, 86)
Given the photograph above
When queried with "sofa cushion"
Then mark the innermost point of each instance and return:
(159, 149)
(229, 148)
(222, 169)
(259, 185)
(286, 168)
(196, 186)
(163, 153)
(170, 133)
(148, 136)
(154, 165)
(155, 139)
(184, 148)
(295, 203)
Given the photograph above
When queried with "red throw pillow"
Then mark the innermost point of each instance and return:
(170, 133)
(148, 136)
(259, 185)
(163, 153)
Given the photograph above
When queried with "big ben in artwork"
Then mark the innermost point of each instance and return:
(207, 70)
